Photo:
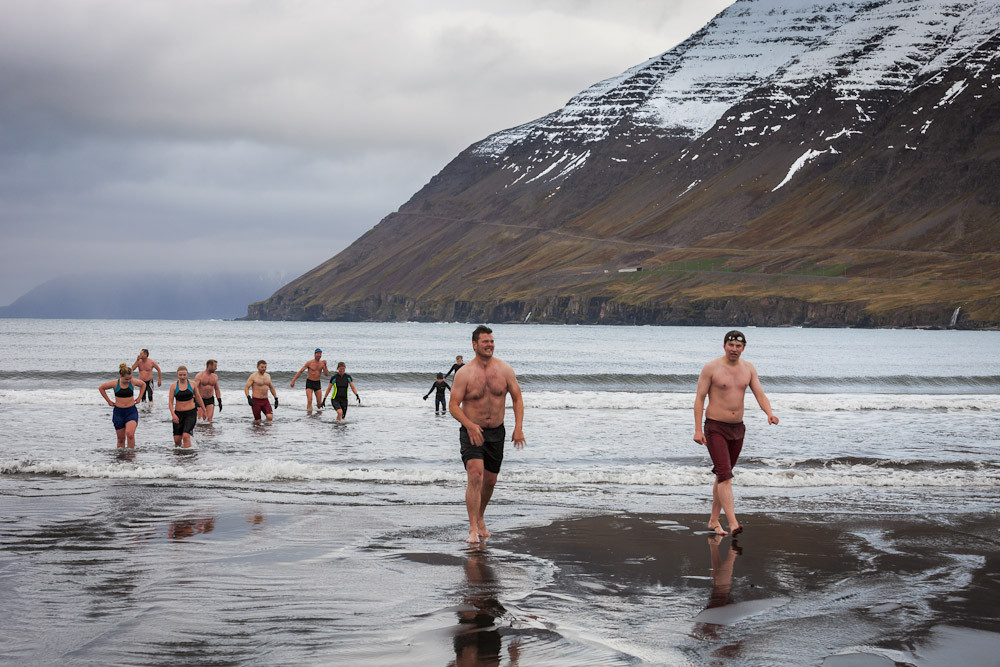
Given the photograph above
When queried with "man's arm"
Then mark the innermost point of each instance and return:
(197, 394)
(218, 389)
(514, 389)
(704, 384)
(758, 393)
(324, 369)
(455, 408)
(159, 375)
(136, 364)
(298, 374)
(246, 387)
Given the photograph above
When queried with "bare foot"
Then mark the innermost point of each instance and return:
(473, 537)
(737, 530)
(484, 531)
(718, 529)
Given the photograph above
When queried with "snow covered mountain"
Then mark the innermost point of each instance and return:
(793, 161)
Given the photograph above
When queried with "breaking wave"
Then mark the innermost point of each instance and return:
(873, 473)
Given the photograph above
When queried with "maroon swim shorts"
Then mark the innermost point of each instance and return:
(261, 405)
(725, 441)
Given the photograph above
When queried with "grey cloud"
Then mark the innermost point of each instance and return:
(213, 131)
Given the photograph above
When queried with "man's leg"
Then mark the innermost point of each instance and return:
(318, 393)
(474, 496)
(713, 520)
(209, 412)
(728, 506)
(489, 482)
(309, 399)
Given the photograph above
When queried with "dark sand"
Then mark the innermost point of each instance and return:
(839, 590)
(150, 574)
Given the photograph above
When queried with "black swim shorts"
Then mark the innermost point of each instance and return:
(148, 391)
(186, 420)
(208, 401)
(339, 403)
(314, 385)
(491, 451)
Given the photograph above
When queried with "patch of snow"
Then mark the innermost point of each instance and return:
(688, 188)
(843, 133)
(798, 164)
(953, 92)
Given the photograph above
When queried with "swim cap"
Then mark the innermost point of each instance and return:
(317, 351)
(735, 335)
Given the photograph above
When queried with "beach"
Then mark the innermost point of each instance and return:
(869, 510)
(153, 574)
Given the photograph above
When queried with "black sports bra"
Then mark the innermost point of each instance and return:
(122, 392)
(185, 395)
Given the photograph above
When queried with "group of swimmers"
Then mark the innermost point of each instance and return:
(191, 400)
(188, 400)
(478, 400)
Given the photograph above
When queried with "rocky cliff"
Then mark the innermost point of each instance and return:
(791, 163)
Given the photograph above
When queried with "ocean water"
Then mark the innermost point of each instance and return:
(308, 540)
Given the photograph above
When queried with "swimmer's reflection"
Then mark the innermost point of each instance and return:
(257, 518)
(478, 642)
(178, 530)
(722, 585)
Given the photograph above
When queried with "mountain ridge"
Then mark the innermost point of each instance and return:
(822, 192)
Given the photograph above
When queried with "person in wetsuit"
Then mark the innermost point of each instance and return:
(184, 414)
(440, 386)
(339, 383)
(125, 416)
(459, 362)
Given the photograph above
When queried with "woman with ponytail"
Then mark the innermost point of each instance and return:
(125, 416)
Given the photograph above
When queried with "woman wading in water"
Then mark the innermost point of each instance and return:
(125, 416)
(182, 396)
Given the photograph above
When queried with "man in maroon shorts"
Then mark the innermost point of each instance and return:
(260, 382)
(724, 381)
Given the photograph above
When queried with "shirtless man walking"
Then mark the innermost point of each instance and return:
(208, 386)
(477, 402)
(146, 366)
(314, 383)
(724, 381)
(260, 383)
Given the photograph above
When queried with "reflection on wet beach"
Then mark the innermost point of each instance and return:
(478, 641)
(178, 530)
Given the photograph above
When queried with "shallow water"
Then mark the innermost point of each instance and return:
(310, 541)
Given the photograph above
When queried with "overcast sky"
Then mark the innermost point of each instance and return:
(241, 135)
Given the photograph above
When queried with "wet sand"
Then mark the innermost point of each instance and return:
(159, 574)
(839, 590)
